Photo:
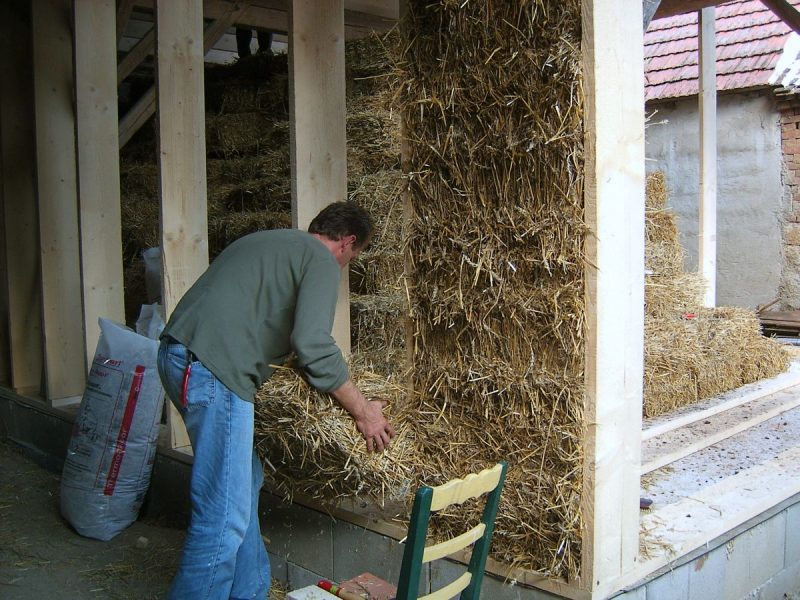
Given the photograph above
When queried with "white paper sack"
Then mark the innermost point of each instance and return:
(111, 451)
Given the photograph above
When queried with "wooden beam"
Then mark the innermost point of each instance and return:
(707, 256)
(670, 8)
(137, 116)
(124, 10)
(145, 107)
(98, 166)
(365, 16)
(182, 158)
(57, 184)
(143, 48)
(17, 136)
(317, 114)
(787, 13)
(614, 201)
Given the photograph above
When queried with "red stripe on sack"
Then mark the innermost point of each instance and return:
(122, 437)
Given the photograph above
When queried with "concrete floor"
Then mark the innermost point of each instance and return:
(42, 557)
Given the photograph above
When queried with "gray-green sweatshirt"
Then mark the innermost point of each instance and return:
(267, 294)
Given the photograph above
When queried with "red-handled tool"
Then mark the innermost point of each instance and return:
(334, 589)
(185, 386)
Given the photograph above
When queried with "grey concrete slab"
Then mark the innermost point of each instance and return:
(298, 577)
(782, 586)
(500, 589)
(755, 556)
(358, 550)
(673, 585)
(299, 535)
(792, 535)
(707, 575)
(279, 567)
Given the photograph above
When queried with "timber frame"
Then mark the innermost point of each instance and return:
(61, 266)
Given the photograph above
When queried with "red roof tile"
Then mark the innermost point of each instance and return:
(749, 37)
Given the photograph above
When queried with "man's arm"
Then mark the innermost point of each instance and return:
(368, 415)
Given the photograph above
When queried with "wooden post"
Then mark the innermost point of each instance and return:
(17, 136)
(98, 165)
(614, 201)
(317, 122)
(57, 183)
(708, 153)
(182, 158)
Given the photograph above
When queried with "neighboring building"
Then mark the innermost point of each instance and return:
(758, 145)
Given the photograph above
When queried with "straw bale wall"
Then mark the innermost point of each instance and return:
(491, 100)
(692, 352)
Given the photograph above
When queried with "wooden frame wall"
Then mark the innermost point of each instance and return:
(21, 237)
(182, 158)
(613, 50)
(317, 117)
(98, 165)
(62, 308)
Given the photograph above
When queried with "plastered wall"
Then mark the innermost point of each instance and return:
(752, 201)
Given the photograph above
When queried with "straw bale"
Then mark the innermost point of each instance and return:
(368, 63)
(380, 266)
(490, 95)
(377, 322)
(316, 450)
(242, 133)
(692, 352)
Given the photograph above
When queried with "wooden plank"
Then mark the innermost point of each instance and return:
(182, 158)
(787, 13)
(670, 8)
(678, 443)
(707, 256)
(318, 146)
(5, 342)
(17, 136)
(98, 166)
(614, 203)
(137, 116)
(788, 316)
(361, 16)
(145, 107)
(143, 48)
(57, 184)
(124, 10)
(714, 406)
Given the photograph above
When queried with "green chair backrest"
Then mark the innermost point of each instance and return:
(432, 499)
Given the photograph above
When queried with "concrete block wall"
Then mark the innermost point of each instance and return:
(760, 563)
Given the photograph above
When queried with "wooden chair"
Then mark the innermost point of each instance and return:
(431, 499)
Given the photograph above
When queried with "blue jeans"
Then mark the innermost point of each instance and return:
(223, 556)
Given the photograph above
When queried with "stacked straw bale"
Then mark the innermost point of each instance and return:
(491, 98)
(692, 352)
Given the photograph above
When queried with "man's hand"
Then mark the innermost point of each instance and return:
(371, 423)
(367, 414)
